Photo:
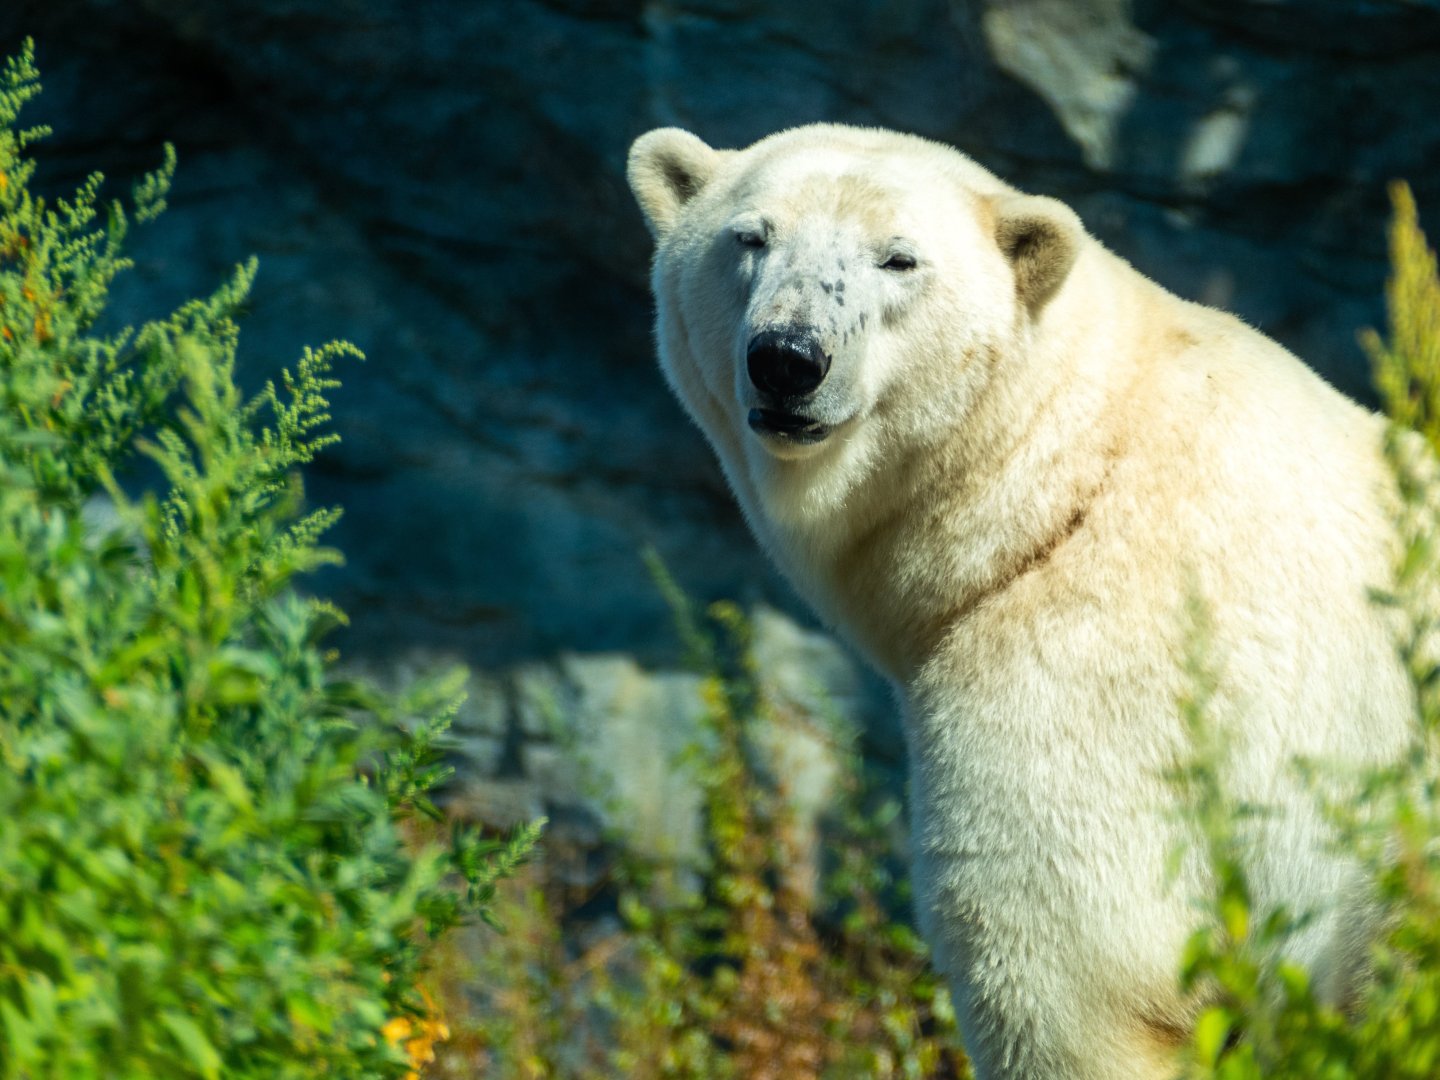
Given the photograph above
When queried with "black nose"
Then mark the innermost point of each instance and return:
(786, 364)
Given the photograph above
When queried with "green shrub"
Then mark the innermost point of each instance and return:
(201, 864)
(740, 973)
(1266, 1021)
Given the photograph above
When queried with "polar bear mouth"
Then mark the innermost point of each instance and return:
(787, 425)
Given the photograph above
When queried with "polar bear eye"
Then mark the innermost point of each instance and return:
(899, 260)
(750, 238)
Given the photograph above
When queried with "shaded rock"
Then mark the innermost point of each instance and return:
(806, 745)
(442, 182)
(620, 754)
(807, 675)
(543, 699)
(610, 751)
(499, 803)
(1083, 59)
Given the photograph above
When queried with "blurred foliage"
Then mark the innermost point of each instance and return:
(742, 972)
(1407, 366)
(1266, 1019)
(201, 869)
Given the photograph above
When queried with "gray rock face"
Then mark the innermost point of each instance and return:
(442, 183)
(613, 750)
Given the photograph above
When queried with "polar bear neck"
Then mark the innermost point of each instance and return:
(896, 544)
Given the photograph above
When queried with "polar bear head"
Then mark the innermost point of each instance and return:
(830, 292)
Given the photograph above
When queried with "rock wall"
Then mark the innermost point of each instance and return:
(441, 181)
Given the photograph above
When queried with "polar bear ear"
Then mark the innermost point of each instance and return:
(1041, 237)
(668, 167)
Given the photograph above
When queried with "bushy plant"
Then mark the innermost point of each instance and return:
(201, 871)
(1267, 1021)
(742, 973)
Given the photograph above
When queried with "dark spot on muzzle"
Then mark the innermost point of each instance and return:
(786, 364)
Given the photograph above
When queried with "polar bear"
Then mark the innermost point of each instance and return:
(999, 460)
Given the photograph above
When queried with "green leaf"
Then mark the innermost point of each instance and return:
(1211, 1032)
(201, 1053)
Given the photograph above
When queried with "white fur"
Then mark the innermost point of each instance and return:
(1032, 465)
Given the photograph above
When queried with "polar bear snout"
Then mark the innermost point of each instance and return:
(786, 364)
(786, 367)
